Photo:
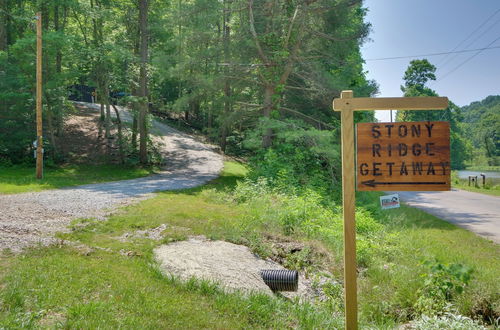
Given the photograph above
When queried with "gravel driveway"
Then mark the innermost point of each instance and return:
(32, 218)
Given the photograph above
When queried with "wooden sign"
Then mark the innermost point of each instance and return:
(403, 156)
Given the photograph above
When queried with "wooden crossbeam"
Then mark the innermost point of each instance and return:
(391, 103)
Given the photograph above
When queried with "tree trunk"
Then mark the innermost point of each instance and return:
(143, 92)
(3, 25)
(59, 28)
(227, 87)
(120, 135)
(210, 115)
(134, 133)
(47, 73)
(269, 92)
(109, 150)
(136, 40)
(99, 70)
(101, 100)
(108, 110)
(50, 126)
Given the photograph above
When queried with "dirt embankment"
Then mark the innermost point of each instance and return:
(83, 139)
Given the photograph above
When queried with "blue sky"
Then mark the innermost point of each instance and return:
(402, 27)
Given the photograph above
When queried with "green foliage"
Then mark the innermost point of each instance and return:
(482, 120)
(418, 73)
(441, 284)
(397, 292)
(299, 158)
(205, 70)
(305, 213)
(335, 292)
(17, 129)
(296, 214)
(299, 260)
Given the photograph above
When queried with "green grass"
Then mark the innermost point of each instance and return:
(483, 168)
(19, 179)
(492, 186)
(492, 190)
(60, 288)
(69, 287)
(393, 280)
(79, 288)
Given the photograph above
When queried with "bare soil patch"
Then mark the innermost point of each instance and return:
(83, 139)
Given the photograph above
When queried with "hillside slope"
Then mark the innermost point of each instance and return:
(482, 120)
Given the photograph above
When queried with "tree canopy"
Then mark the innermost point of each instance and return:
(482, 121)
(419, 72)
(241, 71)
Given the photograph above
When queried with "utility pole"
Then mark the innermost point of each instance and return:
(39, 129)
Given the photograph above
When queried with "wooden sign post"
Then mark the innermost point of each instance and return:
(347, 105)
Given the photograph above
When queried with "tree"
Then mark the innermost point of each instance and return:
(4, 11)
(419, 72)
(226, 32)
(285, 34)
(143, 81)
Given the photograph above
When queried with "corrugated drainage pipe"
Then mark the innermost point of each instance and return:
(280, 280)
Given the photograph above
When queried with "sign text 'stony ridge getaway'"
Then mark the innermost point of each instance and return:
(403, 156)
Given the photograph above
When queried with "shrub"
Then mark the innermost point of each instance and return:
(300, 158)
(442, 283)
(304, 213)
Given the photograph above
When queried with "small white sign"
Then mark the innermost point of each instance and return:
(389, 201)
(34, 152)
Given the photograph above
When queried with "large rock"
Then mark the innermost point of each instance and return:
(233, 267)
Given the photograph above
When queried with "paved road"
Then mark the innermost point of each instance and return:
(473, 211)
(32, 218)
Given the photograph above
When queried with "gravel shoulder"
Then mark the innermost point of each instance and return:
(32, 218)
